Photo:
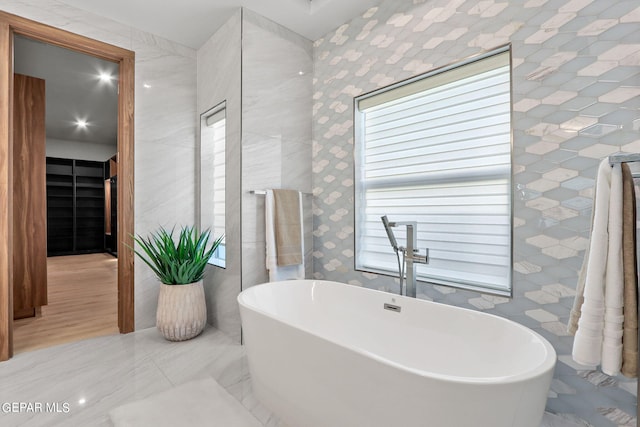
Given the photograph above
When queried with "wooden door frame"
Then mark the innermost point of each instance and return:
(11, 25)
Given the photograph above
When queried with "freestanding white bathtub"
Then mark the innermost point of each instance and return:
(326, 354)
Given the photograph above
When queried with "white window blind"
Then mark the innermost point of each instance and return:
(439, 153)
(212, 153)
(219, 132)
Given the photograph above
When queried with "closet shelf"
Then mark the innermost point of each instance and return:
(75, 190)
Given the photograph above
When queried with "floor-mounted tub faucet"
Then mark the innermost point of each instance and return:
(410, 255)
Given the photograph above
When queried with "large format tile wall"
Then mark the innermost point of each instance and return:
(164, 125)
(276, 132)
(255, 64)
(219, 79)
(576, 83)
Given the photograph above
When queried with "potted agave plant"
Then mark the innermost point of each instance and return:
(179, 264)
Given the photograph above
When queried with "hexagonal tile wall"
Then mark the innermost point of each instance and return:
(576, 97)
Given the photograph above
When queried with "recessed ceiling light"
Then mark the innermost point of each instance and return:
(82, 124)
(146, 85)
(105, 77)
(301, 73)
(82, 401)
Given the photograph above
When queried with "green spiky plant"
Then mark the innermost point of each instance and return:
(177, 262)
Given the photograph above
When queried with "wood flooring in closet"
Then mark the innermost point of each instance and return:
(83, 303)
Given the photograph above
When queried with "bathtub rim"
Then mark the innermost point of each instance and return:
(544, 367)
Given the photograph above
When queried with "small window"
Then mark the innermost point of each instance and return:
(212, 177)
(436, 149)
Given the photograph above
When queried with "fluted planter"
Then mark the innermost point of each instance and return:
(182, 311)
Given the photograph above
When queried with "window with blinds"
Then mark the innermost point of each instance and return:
(437, 150)
(213, 171)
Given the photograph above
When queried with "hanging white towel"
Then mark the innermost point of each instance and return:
(599, 333)
(276, 272)
(614, 281)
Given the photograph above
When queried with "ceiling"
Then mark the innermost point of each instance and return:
(74, 91)
(192, 22)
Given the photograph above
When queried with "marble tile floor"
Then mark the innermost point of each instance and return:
(198, 403)
(97, 375)
(82, 381)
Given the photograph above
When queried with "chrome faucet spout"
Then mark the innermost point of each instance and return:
(410, 254)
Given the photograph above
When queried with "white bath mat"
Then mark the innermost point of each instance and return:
(201, 403)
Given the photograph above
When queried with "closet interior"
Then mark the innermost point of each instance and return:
(80, 206)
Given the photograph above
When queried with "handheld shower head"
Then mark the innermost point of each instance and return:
(387, 227)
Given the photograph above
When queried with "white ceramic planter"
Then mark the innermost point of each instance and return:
(182, 311)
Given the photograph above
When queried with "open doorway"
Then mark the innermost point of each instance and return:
(12, 26)
(77, 96)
